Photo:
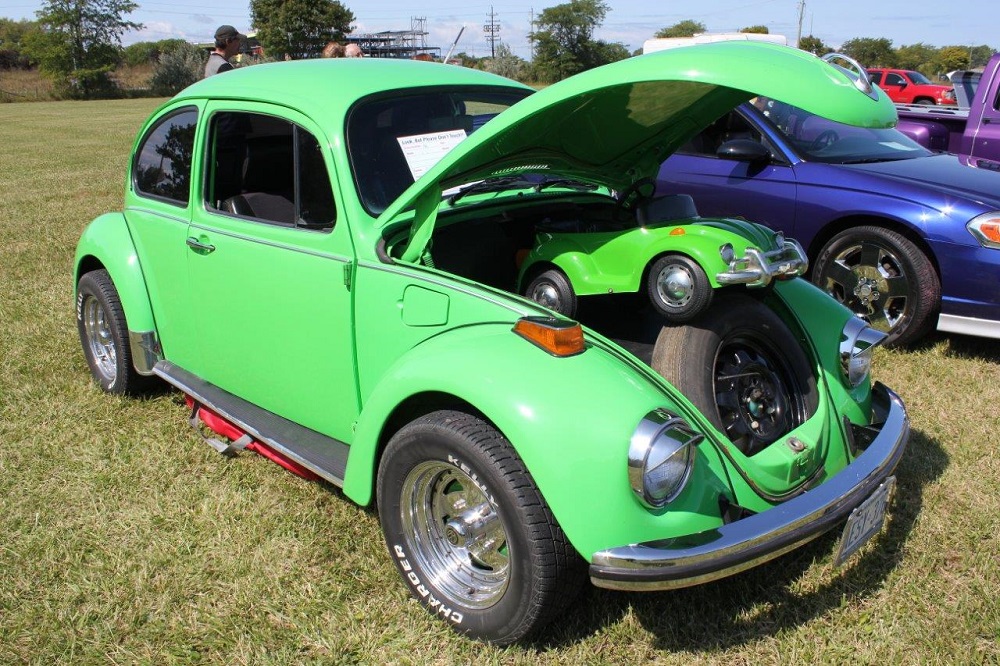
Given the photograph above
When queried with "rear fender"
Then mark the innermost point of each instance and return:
(106, 243)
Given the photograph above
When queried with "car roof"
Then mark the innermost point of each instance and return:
(325, 88)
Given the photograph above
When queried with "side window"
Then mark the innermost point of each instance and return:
(162, 165)
(268, 169)
(876, 77)
(894, 80)
(728, 127)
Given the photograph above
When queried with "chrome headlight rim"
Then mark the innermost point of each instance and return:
(857, 344)
(975, 227)
(661, 438)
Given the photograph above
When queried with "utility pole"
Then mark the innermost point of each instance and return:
(531, 31)
(802, 12)
(492, 32)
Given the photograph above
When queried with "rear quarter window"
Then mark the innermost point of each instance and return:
(162, 166)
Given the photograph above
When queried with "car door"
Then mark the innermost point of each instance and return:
(986, 142)
(269, 262)
(895, 86)
(158, 211)
(723, 187)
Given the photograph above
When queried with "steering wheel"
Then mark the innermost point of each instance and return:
(632, 195)
(825, 138)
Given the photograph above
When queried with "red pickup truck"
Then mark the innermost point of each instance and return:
(973, 132)
(908, 87)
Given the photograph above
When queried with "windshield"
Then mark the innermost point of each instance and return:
(817, 139)
(919, 78)
(392, 141)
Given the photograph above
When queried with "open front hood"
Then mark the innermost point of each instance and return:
(615, 124)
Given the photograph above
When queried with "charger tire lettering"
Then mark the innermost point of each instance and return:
(433, 604)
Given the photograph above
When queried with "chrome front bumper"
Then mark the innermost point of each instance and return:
(721, 552)
(756, 268)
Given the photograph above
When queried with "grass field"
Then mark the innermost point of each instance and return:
(127, 540)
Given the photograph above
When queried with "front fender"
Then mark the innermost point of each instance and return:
(107, 241)
(570, 420)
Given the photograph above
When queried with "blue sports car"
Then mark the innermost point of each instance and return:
(907, 238)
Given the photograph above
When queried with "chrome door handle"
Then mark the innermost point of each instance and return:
(198, 245)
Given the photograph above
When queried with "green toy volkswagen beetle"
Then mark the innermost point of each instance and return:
(328, 258)
(657, 246)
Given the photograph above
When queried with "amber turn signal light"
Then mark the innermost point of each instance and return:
(986, 229)
(558, 337)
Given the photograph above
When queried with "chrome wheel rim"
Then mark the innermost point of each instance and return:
(100, 340)
(455, 534)
(545, 293)
(675, 285)
(870, 280)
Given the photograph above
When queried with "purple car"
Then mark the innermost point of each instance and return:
(906, 238)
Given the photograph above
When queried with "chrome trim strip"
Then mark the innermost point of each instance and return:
(729, 549)
(983, 328)
(146, 351)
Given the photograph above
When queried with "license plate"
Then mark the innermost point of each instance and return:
(865, 521)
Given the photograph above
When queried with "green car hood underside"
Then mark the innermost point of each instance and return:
(615, 124)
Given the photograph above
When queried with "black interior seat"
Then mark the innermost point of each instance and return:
(666, 208)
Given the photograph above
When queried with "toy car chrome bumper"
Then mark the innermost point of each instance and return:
(717, 553)
(756, 268)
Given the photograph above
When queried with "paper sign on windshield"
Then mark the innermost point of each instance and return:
(422, 151)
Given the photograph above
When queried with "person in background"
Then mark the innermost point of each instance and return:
(333, 50)
(227, 44)
(353, 51)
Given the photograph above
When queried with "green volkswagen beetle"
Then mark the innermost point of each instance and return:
(325, 256)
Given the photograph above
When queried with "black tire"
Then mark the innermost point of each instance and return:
(553, 290)
(678, 288)
(743, 368)
(884, 278)
(103, 330)
(504, 571)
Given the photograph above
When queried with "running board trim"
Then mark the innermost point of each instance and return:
(325, 456)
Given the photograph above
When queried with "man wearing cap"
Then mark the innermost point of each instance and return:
(227, 44)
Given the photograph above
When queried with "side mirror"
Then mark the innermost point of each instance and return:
(744, 150)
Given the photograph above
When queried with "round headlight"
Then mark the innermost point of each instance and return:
(857, 343)
(660, 458)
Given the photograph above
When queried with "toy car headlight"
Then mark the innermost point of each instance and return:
(857, 344)
(660, 458)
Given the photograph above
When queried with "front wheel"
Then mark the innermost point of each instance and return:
(469, 531)
(678, 288)
(103, 330)
(741, 366)
(884, 278)
(553, 290)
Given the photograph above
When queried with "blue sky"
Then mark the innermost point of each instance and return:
(631, 22)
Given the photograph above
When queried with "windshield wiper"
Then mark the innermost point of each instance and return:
(490, 185)
(569, 183)
(873, 160)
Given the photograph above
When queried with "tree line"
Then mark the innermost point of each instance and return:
(77, 43)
